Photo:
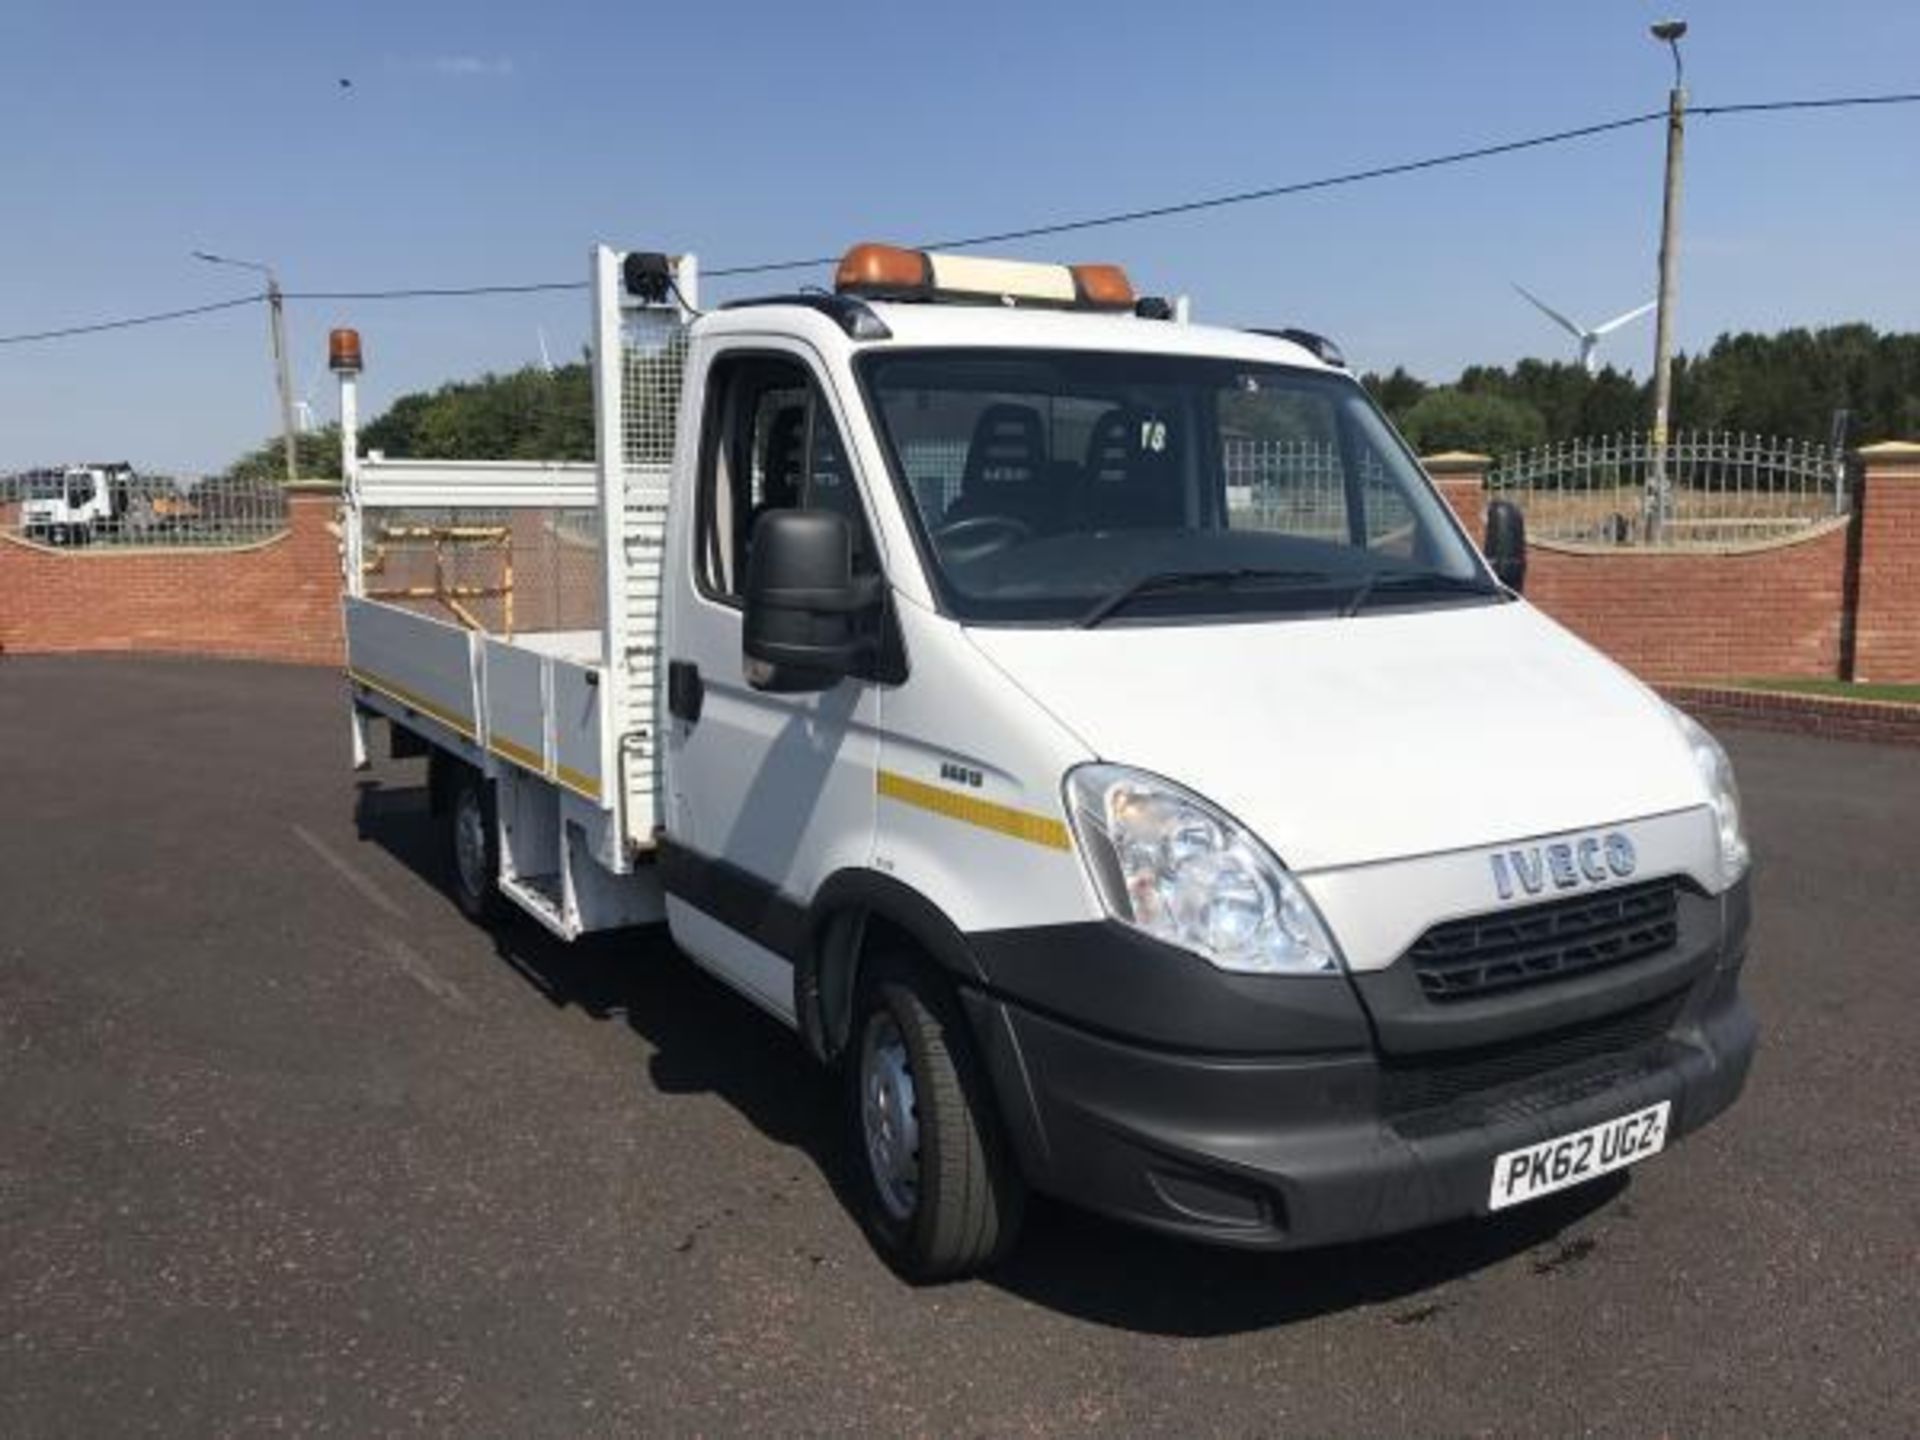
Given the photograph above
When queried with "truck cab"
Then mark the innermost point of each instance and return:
(70, 506)
(1097, 738)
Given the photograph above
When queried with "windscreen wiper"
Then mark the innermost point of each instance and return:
(1169, 582)
(1402, 581)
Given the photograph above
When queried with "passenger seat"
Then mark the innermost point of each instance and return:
(1128, 488)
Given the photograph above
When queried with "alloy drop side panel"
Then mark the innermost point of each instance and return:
(516, 710)
(421, 666)
(579, 704)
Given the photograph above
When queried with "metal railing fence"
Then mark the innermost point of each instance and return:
(1720, 488)
(111, 506)
(1297, 486)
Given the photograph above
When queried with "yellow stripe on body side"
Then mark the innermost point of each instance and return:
(504, 746)
(412, 701)
(970, 810)
(580, 782)
(507, 748)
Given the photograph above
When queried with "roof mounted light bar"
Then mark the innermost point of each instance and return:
(890, 272)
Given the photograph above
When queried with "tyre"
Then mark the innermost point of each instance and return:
(938, 1192)
(473, 846)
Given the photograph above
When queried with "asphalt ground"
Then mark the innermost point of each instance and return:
(284, 1143)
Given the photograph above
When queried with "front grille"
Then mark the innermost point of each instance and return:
(1504, 949)
(1426, 1082)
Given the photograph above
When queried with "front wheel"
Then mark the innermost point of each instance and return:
(939, 1192)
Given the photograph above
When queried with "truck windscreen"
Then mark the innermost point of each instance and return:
(1064, 485)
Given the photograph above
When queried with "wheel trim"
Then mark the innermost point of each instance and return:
(889, 1116)
(470, 843)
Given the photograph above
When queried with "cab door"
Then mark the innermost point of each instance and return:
(767, 794)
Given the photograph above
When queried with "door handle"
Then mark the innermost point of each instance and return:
(685, 692)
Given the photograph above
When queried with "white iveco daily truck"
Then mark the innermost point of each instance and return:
(1091, 732)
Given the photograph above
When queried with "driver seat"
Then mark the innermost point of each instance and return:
(1006, 472)
(783, 467)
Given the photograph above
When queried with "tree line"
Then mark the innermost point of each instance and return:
(1787, 384)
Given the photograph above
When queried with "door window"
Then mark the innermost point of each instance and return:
(771, 445)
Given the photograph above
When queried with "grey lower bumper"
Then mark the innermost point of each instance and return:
(1310, 1151)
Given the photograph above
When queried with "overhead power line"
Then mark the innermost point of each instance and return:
(1237, 197)
(1837, 102)
(1351, 177)
(130, 321)
(1030, 232)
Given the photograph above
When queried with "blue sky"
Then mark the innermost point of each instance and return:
(476, 147)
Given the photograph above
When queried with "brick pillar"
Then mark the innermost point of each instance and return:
(309, 627)
(1886, 620)
(1462, 479)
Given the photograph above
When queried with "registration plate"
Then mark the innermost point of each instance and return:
(1569, 1159)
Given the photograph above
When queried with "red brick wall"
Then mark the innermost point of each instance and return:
(1460, 477)
(1760, 613)
(1886, 643)
(277, 601)
(1771, 612)
(1774, 612)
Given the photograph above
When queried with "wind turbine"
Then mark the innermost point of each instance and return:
(1589, 338)
(303, 409)
(546, 360)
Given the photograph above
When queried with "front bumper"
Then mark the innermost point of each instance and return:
(1319, 1146)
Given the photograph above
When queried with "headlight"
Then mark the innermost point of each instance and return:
(1716, 773)
(1166, 862)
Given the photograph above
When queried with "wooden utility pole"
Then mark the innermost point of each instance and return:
(1659, 498)
(276, 313)
(277, 333)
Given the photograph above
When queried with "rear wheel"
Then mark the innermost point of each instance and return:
(473, 845)
(939, 1193)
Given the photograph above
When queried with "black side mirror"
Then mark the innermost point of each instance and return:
(805, 609)
(1506, 544)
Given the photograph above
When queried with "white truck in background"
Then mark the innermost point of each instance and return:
(72, 504)
(1090, 732)
(82, 504)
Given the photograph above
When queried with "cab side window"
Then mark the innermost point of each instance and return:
(770, 444)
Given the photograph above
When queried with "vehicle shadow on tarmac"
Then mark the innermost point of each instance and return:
(1069, 1261)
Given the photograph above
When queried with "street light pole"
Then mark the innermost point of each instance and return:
(277, 333)
(1669, 31)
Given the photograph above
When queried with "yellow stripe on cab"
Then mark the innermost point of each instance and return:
(1025, 825)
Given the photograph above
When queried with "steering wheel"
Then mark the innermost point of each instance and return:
(979, 535)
